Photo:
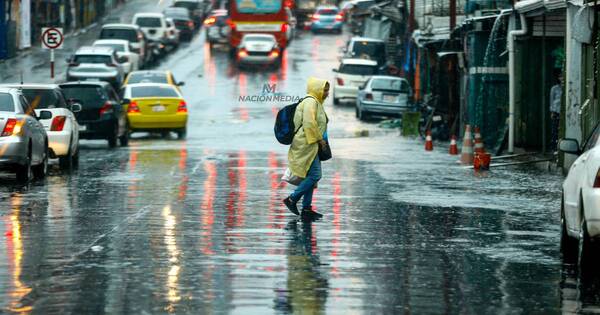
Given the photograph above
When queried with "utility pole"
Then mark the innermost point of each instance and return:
(411, 17)
(452, 14)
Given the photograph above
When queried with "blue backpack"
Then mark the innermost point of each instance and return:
(284, 123)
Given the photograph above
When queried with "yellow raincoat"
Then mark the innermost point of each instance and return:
(311, 115)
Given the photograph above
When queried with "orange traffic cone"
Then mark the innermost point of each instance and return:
(466, 156)
(478, 141)
(453, 147)
(428, 141)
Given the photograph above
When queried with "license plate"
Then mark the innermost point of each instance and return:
(82, 127)
(389, 98)
(158, 108)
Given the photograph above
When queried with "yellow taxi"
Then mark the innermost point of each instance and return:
(152, 76)
(155, 107)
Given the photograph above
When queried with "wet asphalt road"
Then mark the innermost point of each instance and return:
(197, 226)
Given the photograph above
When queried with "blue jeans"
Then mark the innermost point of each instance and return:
(307, 186)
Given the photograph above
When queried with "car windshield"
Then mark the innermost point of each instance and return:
(369, 50)
(89, 95)
(147, 78)
(177, 13)
(116, 33)
(116, 47)
(258, 6)
(327, 12)
(186, 4)
(148, 22)
(41, 98)
(392, 85)
(153, 91)
(358, 69)
(6, 103)
(92, 59)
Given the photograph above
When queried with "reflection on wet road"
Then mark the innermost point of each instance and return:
(198, 227)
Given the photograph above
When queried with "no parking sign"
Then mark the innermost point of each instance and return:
(52, 38)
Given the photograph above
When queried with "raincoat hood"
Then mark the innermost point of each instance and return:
(315, 88)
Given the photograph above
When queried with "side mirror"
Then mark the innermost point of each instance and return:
(45, 114)
(570, 146)
(125, 101)
(123, 59)
(180, 83)
(76, 107)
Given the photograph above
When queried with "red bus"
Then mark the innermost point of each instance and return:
(258, 16)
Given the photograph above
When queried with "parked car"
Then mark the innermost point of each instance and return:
(23, 139)
(383, 95)
(367, 48)
(61, 128)
(131, 60)
(183, 21)
(198, 9)
(173, 36)
(131, 33)
(96, 63)
(156, 108)
(327, 19)
(258, 49)
(102, 115)
(580, 208)
(217, 28)
(153, 76)
(350, 76)
(154, 27)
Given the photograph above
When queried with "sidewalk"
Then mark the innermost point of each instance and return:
(34, 63)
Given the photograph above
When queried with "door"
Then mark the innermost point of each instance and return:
(38, 134)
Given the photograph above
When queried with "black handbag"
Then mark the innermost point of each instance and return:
(324, 151)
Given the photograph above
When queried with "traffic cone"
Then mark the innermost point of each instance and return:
(478, 141)
(466, 156)
(428, 141)
(453, 147)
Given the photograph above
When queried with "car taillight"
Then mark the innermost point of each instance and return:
(340, 81)
(316, 17)
(133, 107)
(242, 53)
(190, 24)
(339, 17)
(58, 123)
(210, 21)
(9, 127)
(274, 53)
(369, 97)
(597, 180)
(182, 108)
(107, 108)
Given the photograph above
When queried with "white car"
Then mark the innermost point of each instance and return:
(172, 33)
(96, 63)
(62, 128)
(350, 76)
(131, 33)
(580, 213)
(154, 26)
(258, 49)
(131, 60)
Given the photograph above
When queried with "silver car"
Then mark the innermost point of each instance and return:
(258, 49)
(96, 63)
(383, 95)
(23, 140)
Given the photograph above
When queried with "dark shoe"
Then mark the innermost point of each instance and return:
(291, 205)
(309, 214)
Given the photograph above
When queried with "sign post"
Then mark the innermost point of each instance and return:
(52, 38)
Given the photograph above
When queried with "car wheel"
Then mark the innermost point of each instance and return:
(124, 139)
(356, 112)
(182, 133)
(66, 162)
(40, 171)
(568, 245)
(112, 140)
(75, 159)
(585, 247)
(24, 171)
(336, 101)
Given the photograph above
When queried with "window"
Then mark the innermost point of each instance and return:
(153, 91)
(148, 22)
(6, 103)
(592, 141)
(258, 6)
(117, 33)
(369, 50)
(358, 69)
(185, 4)
(392, 85)
(26, 107)
(41, 98)
(92, 59)
(91, 96)
(116, 47)
(147, 78)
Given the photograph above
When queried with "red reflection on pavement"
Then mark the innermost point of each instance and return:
(337, 204)
(183, 187)
(208, 215)
(284, 65)
(133, 157)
